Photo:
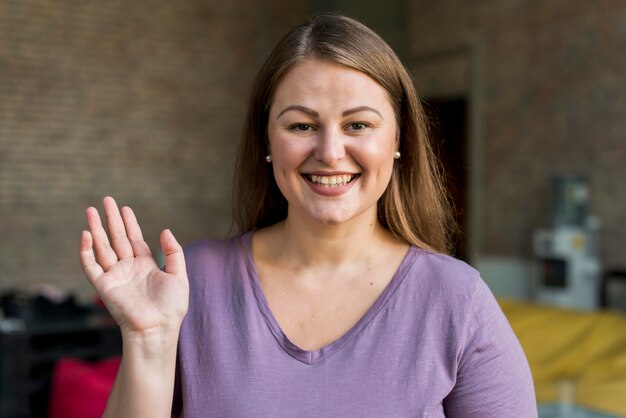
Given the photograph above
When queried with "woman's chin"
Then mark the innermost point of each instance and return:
(335, 217)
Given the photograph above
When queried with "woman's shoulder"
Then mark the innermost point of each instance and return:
(214, 266)
(215, 251)
(444, 270)
(440, 279)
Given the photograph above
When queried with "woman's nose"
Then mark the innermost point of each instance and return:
(330, 147)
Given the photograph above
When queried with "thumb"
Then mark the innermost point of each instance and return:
(174, 256)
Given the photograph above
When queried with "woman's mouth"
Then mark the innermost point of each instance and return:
(331, 181)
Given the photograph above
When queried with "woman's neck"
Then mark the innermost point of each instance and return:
(302, 243)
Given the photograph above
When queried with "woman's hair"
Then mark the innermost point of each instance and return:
(414, 207)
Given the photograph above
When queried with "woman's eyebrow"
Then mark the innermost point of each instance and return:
(301, 109)
(360, 109)
(313, 113)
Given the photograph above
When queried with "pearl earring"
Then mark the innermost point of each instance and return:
(268, 158)
(396, 155)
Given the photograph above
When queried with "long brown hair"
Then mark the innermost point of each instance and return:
(414, 207)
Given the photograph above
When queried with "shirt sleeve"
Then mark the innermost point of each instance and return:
(493, 377)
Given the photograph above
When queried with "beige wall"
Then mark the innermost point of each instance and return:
(142, 100)
(548, 80)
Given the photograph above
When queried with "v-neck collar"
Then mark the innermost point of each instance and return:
(314, 356)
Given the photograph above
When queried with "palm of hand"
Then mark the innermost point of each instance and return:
(141, 297)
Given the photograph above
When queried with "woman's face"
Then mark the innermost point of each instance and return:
(332, 137)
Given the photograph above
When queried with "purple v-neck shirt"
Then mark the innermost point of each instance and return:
(434, 344)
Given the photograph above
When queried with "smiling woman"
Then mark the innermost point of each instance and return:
(414, 206)
(337, 298)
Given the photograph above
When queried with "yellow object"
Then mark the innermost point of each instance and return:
(585, 349)
(578, 242)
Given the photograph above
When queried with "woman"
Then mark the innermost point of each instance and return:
(337, 300)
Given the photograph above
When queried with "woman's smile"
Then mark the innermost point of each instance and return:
(331, 184)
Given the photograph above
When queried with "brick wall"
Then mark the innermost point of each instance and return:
(553, 96)
(142, 100)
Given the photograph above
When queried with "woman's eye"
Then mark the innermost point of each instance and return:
(302, 127)
(358, 126)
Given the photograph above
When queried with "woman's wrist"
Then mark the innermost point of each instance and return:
(151, 344)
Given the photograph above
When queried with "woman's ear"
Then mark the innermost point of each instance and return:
(267, 141)
(268, 155)
(397, 138)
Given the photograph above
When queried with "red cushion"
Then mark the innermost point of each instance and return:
(80, 388)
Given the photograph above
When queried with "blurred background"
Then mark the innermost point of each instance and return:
(144, 101)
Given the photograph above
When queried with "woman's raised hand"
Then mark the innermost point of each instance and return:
(143, 299)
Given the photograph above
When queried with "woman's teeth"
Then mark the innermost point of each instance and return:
(332, 180)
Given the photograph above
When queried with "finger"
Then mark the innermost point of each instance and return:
(87, 258)
(105, 256)
(133, 231)
(174, 256)
(117, 232)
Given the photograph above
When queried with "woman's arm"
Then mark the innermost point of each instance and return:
(148, 304)
(493, 377)
(145, 381)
